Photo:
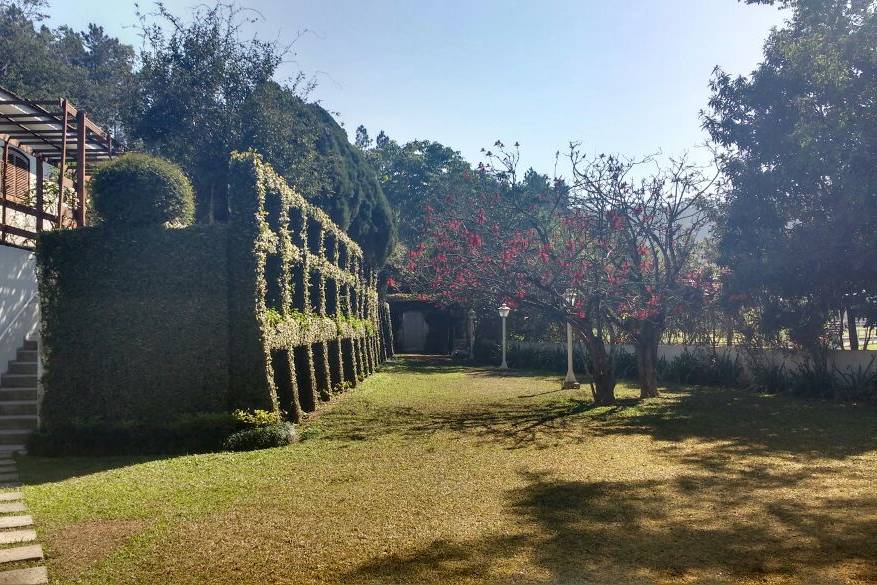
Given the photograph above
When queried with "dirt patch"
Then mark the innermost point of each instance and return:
(80, 546)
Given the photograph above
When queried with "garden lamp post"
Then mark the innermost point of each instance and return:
(569, 297)
(503, 312)
(471, 315)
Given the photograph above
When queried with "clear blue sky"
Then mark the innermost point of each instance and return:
(625, 76)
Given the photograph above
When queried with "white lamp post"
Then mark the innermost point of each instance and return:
(570, 381)
(503, 312)
(471, 334)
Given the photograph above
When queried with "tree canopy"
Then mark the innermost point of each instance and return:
(801, 133)
(201, 91)
(90, 68)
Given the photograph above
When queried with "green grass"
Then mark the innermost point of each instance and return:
(432, 473)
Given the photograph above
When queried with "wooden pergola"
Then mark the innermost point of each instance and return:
(56, 133)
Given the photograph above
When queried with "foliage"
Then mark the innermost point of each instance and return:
(203, 92)
(138, 188)
(414, 176)
(257, 418)
(177, 434)
(287, 254)
(624, 246)
(91, 69)
(134, 322)
(857, 384)
(263, 436)
(705, 368)
(797, 231)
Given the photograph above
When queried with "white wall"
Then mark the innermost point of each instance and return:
(843, 360)
(19, 316)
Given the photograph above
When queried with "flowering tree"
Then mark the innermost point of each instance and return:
(623, 245)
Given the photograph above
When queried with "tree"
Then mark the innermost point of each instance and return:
(801, 132)
(194, 79)
(90, 68)
(308, 147)
(203, 92)
(413, 176)
(622, 245)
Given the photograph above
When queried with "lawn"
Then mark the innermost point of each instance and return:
(433, 473)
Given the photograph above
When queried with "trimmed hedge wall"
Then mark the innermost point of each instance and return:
(134, 323)
(275, 310)
(299, 288)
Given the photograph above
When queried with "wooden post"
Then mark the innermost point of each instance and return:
(62, 165)
(40, 195)
(4, 187)
(80, 168)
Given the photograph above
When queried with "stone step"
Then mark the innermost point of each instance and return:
(8, 476)
(12, 507)
(14, 439)
(30, 552)
(32, 576)
(17, 367)
(10, 496)
(18, 408)
(28, 422)
(26, 355)
(29, 344)
(15, 521)
(18, 394)
(18, 381)
(16, 536)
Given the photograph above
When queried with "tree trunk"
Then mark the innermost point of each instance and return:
(851, 327)
(602, 370)
(647, 360)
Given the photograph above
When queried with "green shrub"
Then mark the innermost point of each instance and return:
(257, 418)
(137, 188)
(194, 433)
(769, 377)
(704, 368)
(261, 437)
(813, 379)
(857, 384)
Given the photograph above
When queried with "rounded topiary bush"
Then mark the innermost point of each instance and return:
(139, 188)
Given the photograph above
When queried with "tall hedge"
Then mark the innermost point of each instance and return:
(134, 322)
(143, 325)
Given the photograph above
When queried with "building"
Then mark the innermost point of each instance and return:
(49, 149)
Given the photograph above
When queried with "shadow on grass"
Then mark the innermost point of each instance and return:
(745, 423)
(39, 470)
(647, 532)
(428, 364)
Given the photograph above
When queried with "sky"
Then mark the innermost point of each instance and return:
(619, 76)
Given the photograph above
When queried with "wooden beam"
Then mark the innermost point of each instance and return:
(5, 187)
(40, 195)
(81, 125)
(62, 166)
(28, 210)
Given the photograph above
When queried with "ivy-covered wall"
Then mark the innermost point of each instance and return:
(274, 310)
(305, 300)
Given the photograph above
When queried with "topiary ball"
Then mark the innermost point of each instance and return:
(138, 188)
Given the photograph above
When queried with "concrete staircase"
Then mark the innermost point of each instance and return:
(18, 399)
